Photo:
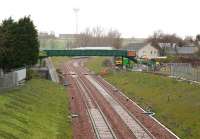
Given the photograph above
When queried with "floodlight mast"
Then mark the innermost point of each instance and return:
(76, 10)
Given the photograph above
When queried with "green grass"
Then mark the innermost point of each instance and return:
(57, 61)
(37, 110)
(96, 64)
(176, 104)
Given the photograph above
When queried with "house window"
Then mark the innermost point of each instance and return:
(151, 52)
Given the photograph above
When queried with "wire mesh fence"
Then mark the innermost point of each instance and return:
(186, 71)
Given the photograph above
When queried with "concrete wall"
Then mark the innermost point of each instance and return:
(52, 70)
(21, 74)
(12, 79)
(8, 80)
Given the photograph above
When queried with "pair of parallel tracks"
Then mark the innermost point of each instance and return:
(99, 121)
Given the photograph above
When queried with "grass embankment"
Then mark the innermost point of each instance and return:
(37, 110)
(96, 64)
(176, 104)
(57, 61)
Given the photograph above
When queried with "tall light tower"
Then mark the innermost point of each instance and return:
(76, 10)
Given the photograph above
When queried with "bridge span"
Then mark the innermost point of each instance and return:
(116, 53)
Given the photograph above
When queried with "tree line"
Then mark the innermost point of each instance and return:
(97, 36)
(19, 45)
(163, 40)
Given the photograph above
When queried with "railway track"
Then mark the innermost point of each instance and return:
(109, 113)
(100, 124)
(81, 124)
(99, 121)
(133, 124)
(161, 130)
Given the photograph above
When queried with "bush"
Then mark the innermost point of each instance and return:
(106, 63)
(169, 59)
(31, 74)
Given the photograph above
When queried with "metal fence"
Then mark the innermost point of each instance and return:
(180, 70)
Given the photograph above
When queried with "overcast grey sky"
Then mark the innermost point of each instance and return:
(133, 18)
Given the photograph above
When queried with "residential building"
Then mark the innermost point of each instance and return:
(144, 50)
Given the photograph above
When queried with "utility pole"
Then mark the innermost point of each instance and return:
(76, 10)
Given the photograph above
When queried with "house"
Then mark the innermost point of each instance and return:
(144, 50)
(184, 50)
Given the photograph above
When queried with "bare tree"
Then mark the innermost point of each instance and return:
(198, 37)
(114, 38)
(197, 40)
(188, 40)
(98, 37)
(162, 41)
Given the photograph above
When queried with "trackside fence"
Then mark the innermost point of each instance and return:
(185, 71)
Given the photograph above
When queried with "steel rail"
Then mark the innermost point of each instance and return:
(86, 96)
(137, 128)
(122, 94)
(103, 115)
(143, 132)
(107, 90)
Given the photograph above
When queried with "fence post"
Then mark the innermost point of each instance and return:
(196, 68)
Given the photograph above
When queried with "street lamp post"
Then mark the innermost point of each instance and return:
(76, 10)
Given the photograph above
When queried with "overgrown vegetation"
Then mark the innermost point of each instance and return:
(179, 59)
(30, 74)
(37, 110)
(175, 103)
(19, 44)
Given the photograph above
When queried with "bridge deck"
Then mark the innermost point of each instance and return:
(124, 53)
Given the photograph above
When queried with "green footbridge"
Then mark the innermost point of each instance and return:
(117, 53)
(131, 55)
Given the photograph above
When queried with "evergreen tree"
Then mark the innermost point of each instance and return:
(28, 45)
(18, 43)
(7, 44)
